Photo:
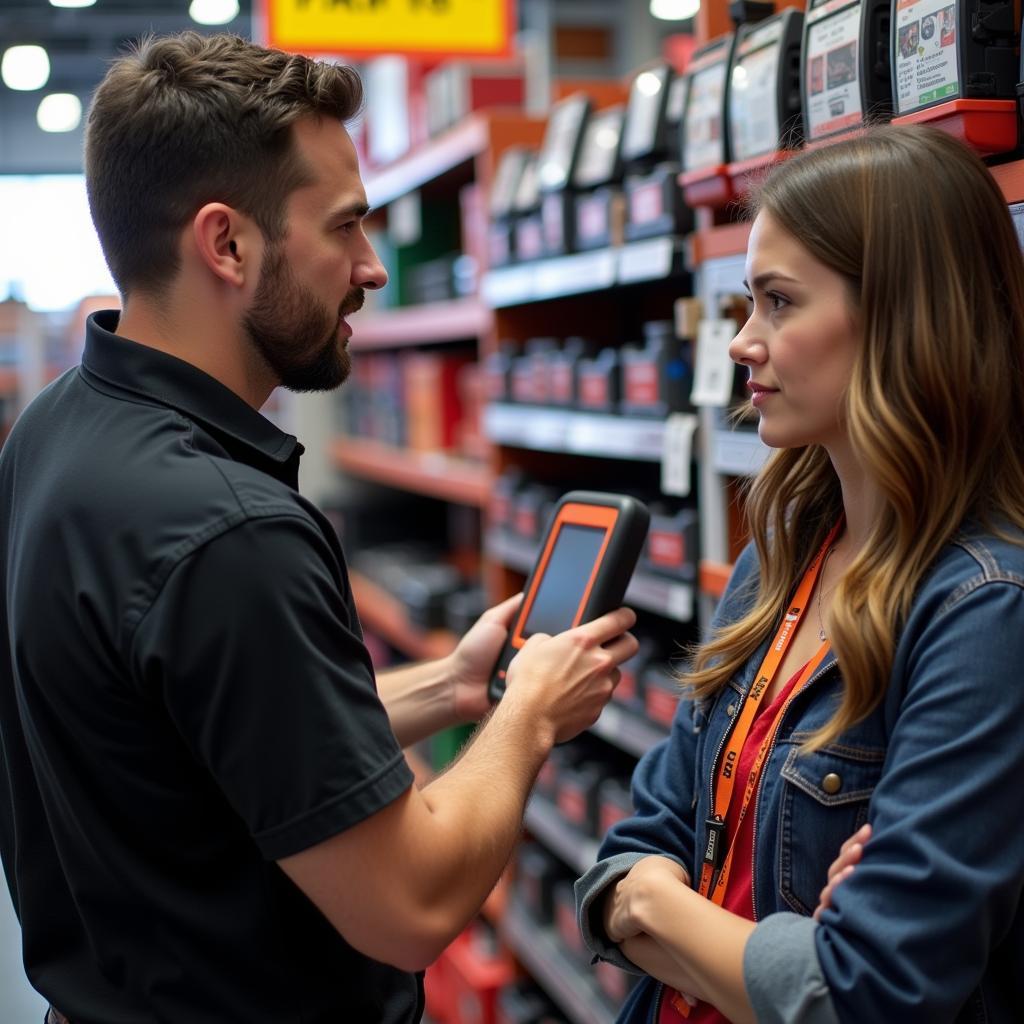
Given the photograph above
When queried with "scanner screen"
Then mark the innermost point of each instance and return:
(562, 587)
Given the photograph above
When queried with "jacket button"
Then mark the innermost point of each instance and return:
(832, 783)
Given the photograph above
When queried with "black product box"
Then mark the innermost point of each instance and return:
(463, 608)
(533, 507)
(672, 547)
(539, 352)
(561, 368)
(614, 804)
(498, 373)
(661, 695)
(657, 377)
(558, 217)
(529, 237)
(600, 218)
(558, 760)
(501, 508)
(578, 799)
(630, 692)
(655, 205)
(425, 591)
(537, 873)
(599, 382)
(565, 923)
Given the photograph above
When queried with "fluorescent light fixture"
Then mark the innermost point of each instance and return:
(674, 10)
(25, 68)
(213, 12)
(59, 112)
(72, 3)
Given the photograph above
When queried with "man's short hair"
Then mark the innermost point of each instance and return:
(188, 119)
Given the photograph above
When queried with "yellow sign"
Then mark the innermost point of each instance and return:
(426, 28)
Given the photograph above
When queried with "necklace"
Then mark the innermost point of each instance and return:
(821, 587)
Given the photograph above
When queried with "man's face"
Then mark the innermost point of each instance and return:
(314, 277)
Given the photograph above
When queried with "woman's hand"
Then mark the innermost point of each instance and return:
(636, 896)
(652, 957)
(842, 867)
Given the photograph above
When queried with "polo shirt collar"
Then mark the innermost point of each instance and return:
(173, 382)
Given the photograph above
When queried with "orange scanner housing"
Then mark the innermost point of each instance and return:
(573, 513)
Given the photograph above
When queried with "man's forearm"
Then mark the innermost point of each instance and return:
(418, 699)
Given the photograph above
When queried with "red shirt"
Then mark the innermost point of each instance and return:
(739, 890)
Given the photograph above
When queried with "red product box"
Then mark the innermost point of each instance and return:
(432, 399)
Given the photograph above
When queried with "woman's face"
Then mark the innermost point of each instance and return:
(799, 343)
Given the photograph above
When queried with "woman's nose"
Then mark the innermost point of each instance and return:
(747, 348)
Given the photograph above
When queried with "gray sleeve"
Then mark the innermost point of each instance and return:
(589, 890)
(783, 976)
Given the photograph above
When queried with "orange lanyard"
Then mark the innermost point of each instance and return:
(716, 857)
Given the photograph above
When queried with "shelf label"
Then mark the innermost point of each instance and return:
(713, 369)
(436, 28)
(677, 454)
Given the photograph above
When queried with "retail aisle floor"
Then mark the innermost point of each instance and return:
(19, 1002)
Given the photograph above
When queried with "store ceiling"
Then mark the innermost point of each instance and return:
(80, 43)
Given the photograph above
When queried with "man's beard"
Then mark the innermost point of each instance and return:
(294, 332)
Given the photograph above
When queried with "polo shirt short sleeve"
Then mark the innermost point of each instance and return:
(254, 653)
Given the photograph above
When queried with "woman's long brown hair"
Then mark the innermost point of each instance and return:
(935, 407)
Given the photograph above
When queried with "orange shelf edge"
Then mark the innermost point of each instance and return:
(384, 615)
(714, 576)
(719, 242)
(432, 473)
(413, 325)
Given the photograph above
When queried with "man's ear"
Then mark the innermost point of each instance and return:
(226, 242)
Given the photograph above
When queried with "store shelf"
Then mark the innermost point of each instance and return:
(433, 473)
(652, 259)
(664, 597)
(8, 381)
(578, 433)
(627, 730)
(545, 821)
(738, 452)
(541, 953)
(415, 325)
(479, 133)
(717, 243)
(382, 613)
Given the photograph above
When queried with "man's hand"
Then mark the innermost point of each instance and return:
(842, 867)
(475, 657)
(563, 682)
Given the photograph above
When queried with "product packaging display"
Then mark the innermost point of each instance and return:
(614, 803)
(497, 368)
(502, 208)
(537, 873)
(563, 364)
(846, 79)
(566, 926)
(556, 168)
(532, 507)
(956, 65)
(501, 507)
(527, 227)
(661, 694)
(764, 120)
(433, 401)
(657, 377)
(586, 560)
(629, 693)
(672, 543)
(578, 795)
(599, 381)
(654, 204)
(457, 88)
(597, 181)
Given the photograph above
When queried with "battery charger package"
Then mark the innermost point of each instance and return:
(587, 557)
(501, 207)
(764, 95)
(846, 79)
(556, 168)
(598, 182)
(955, 65)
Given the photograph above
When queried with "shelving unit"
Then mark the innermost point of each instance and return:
(544, 820)
(541, 953)
(455, 320)
(441, 476)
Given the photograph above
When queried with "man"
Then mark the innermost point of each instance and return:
(206, 815)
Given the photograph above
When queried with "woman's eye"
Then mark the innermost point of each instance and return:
(776, 301)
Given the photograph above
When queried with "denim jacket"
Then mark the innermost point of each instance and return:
(929, 927)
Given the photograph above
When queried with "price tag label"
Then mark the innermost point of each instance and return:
(713, 369)
(677, 454)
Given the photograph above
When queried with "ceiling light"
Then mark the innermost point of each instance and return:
(72, 3)
(25, 68)
(674, 10)
(59, 112)
(213, 12)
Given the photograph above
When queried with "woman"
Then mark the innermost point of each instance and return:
(866, 663)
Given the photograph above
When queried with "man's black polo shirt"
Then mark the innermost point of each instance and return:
(184, 698)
